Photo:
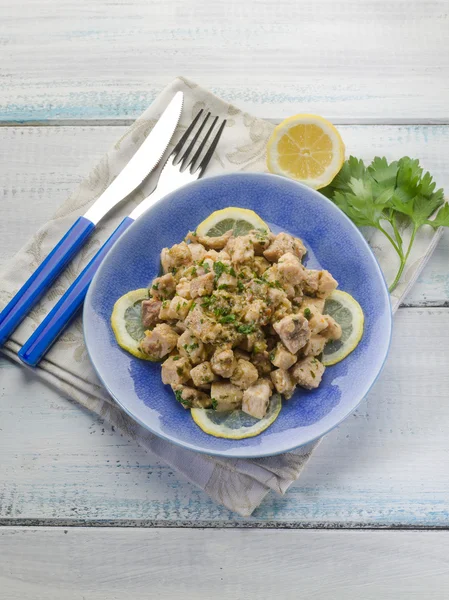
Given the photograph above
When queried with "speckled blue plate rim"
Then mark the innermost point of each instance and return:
(249, 452)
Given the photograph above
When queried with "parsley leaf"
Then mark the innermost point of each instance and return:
(389, 197)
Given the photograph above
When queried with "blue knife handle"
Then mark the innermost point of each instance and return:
(43, 277)
(56, 321)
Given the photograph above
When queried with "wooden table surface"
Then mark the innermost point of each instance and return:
(84, 512)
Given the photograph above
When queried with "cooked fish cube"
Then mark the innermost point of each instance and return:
(202, 285)
(183, 288)
(176, 369)
(159, 342)
(163, 287)
(223, 362)
(293, 331)
(308, 372)
(314, 346)
(226, 396)
(179, 307)
(282, 358)
(202, 374)
(333, 329)
(191, 347)
(291, 269)
(282, 244)
(256, 399)
(190, 397)
(150, 313)
(283, 382)
(241, 249)
(245, 374)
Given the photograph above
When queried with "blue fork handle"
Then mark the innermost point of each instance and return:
(56, 321)
(43, 277)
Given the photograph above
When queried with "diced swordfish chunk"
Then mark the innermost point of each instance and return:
(319, 283)
(150, 313)
(202, 285)
(256, 398)
(202, 374)
(308, 372)
(260, 240)
(159, 342)
(240, 249)
(282, 244)
(245, 374)
(333, 329)
(281, 357)
(290, 268)
(314, 346)
(226, 396)
(190, 397)
(179, 307)
(163, 287)
(283, 382)
(217, 242)
(202, 326)
(183, 288)
(191, 347)
(176, 369)
(177, 256)
(293, 331)
(223, 362)
(197, 251)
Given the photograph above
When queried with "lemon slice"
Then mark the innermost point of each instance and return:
(240, 220)
(349, 315)
(126, 322)
(307, 148)
(235, 425)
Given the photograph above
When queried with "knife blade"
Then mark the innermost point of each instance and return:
(140, 165)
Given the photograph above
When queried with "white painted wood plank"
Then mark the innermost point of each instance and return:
(364, 58)
(48, 564)
(41, 166)
(386, 465)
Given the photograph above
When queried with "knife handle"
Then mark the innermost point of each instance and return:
(43, 277)
(63, 312)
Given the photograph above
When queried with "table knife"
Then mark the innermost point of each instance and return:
(137, 169)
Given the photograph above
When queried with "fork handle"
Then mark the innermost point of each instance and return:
(63, 312)
(43, 277)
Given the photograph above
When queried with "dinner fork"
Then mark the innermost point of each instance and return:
(182, 167)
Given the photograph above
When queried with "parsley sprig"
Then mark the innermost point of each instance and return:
(389, 197)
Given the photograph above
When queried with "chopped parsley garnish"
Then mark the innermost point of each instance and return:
(219, 269)
(176, 357)
(308, 313)
(194, 272)
(272, 355)
(223, 286)
(227, 319)
(192, 306)
(240, 286)
(155, 286)
(245, 328)
(189, 347)
(206, 267)
(173, 270)
(178, 306)
(232, 272)
(179, 398)
(214, 403)
(207, 301)
(179, 371)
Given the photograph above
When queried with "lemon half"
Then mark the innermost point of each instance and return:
(307, 148)
(235, 425)
(126, 322)
(240, 220)
(348, 313)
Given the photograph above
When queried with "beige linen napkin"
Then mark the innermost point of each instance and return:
(238, 484)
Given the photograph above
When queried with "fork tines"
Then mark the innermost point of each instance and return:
(184, 157)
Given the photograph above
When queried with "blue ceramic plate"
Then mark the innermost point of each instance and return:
(333, 242)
